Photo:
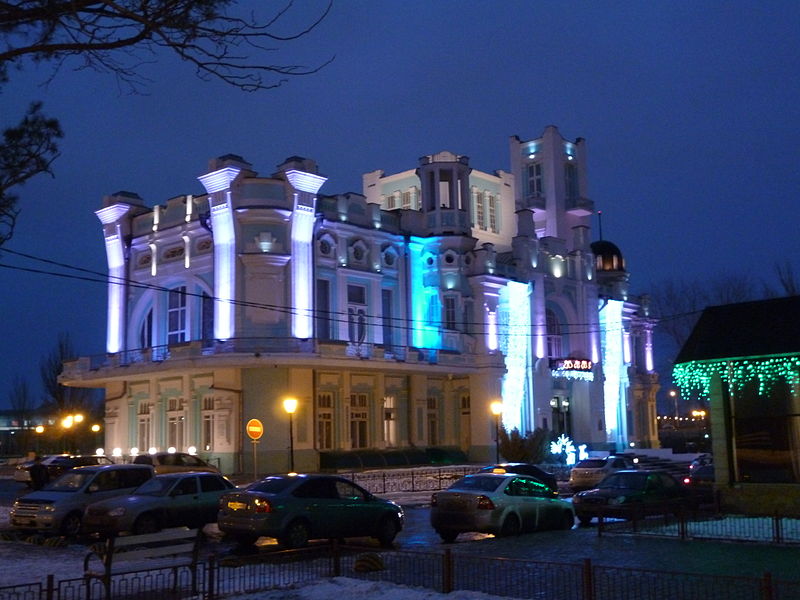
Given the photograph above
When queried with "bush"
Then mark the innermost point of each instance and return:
(531, 448)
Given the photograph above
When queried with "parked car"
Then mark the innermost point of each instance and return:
(170, 500)
(701, 461)
(587, 473)
(59, 507)
(632, 493)
(58, 463)
(499, 503)
(174, 462)
(297, 508)
(700, 481)
(549, 479)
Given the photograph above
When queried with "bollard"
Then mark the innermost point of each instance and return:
(447, 571)
(587, 578)
(766, 586)
(210, 577)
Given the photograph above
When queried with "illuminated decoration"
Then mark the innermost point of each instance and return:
(152, 450)
(572, 368)
(153, 259)
(302, 259)
(115, 255)
(515, 344)
(564, 445)
(189, 207)
(616, 377)
(216, 181)
(491, 330)
(156, 217)
(626, 347)
(557, 266)
(305, 182)
(425, 326)
(224, 266)
(582, 453)
(100, 451)
(186, 251)
(117, 452)
(767, 370)
(134, 451)
(112, 214)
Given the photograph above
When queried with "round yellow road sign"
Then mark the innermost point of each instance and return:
(254, 429)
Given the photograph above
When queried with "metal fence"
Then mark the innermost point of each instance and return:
(700, 525)
(442, 571)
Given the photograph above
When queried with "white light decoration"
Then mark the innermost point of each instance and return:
(491, 330)
(134, 451)
(152, 450)
(557, 266)
(100, 451)
(189, 207)
(515, 343)
(564, 445)
(156, 217)
(616, 379)
(192, 450)
(582, 453)
(153, 260)
(186, 251)
(116, 452)
(170, 450)
(224, 266)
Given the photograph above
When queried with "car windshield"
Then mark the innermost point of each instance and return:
(477, 482)
(71, 481)
(628, 481)
(270, 485)
(157, 486)
(592, 463)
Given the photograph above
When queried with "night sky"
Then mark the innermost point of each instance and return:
(691, 112)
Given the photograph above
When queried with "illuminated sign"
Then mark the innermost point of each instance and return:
(571, 364)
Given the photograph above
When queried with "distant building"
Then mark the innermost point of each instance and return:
(394, 318)
(745, 358)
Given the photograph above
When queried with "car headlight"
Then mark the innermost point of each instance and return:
(49, 507)
(117, 512)
(617, 500)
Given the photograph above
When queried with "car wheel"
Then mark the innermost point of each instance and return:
(568, 520)
(448, 537)
(387, 531)
(71, 525)
(584, 519)
(295, 536)
(146, 524)
(511, 526)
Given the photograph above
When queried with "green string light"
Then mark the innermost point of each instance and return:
(767, 370)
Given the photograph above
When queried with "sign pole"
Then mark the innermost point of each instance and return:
(254, 429)
(255, 460)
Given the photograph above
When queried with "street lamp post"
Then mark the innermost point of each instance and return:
(290, 406)
(497, 410)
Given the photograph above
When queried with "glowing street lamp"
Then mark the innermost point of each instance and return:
(290, 406)
(496, 408)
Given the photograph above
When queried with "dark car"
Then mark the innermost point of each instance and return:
(700, 481)
(549, 479)
(498, 503)
(632, 493)
(59, 463)
(171, 500)
(295, 508)
(174, 462)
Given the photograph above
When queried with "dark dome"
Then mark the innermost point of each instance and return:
(607, 256)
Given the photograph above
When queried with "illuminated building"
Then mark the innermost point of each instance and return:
(394, 317)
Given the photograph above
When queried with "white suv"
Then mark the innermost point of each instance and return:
(589, 472)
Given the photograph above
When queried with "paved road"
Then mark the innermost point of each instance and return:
(720, 558)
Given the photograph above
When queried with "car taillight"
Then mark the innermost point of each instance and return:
(687, 480)
(433, 500)
(485, 503)
(262, 506)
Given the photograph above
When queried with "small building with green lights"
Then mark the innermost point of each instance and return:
(745, 360)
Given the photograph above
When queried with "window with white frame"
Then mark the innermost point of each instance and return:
(480, 214)
(324, 426)
(492, 202)
(535, 186)
(432, 421)
(391, 201)
(176, 316)
(146, 331)
(554, 336)
(356, 313)
(390, 421)
(143, 420)
(406, 199)
(450, 304)
(359, 419)
(176, 420)
(207, 440)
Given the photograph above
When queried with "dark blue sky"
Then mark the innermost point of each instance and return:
(690, 111)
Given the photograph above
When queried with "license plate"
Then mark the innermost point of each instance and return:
(237, 505)
(24, 522)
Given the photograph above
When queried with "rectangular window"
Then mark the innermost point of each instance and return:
(390, 201)
(356, 294)
(388, 333)
(208, 432)
(358, 421)
(480, 217)
(535, 179)
(325, 421)
(407, 199)
(571, 180)
(176, 316)
(390, 421)
(323, 310)
(207, 319)
(450, 312)
(432, 421)
(493, 214)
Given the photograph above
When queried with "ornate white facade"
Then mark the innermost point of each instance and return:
(394, 317)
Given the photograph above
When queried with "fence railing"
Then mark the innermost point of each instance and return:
(704, 525)
(441, 571)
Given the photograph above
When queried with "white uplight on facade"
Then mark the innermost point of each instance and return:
(224, 267)
(171, 450)
(134, 451)
(116, 452)
(152, 450)
(557, 266)
(491, 330)
(100, 451)
(192, 450)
